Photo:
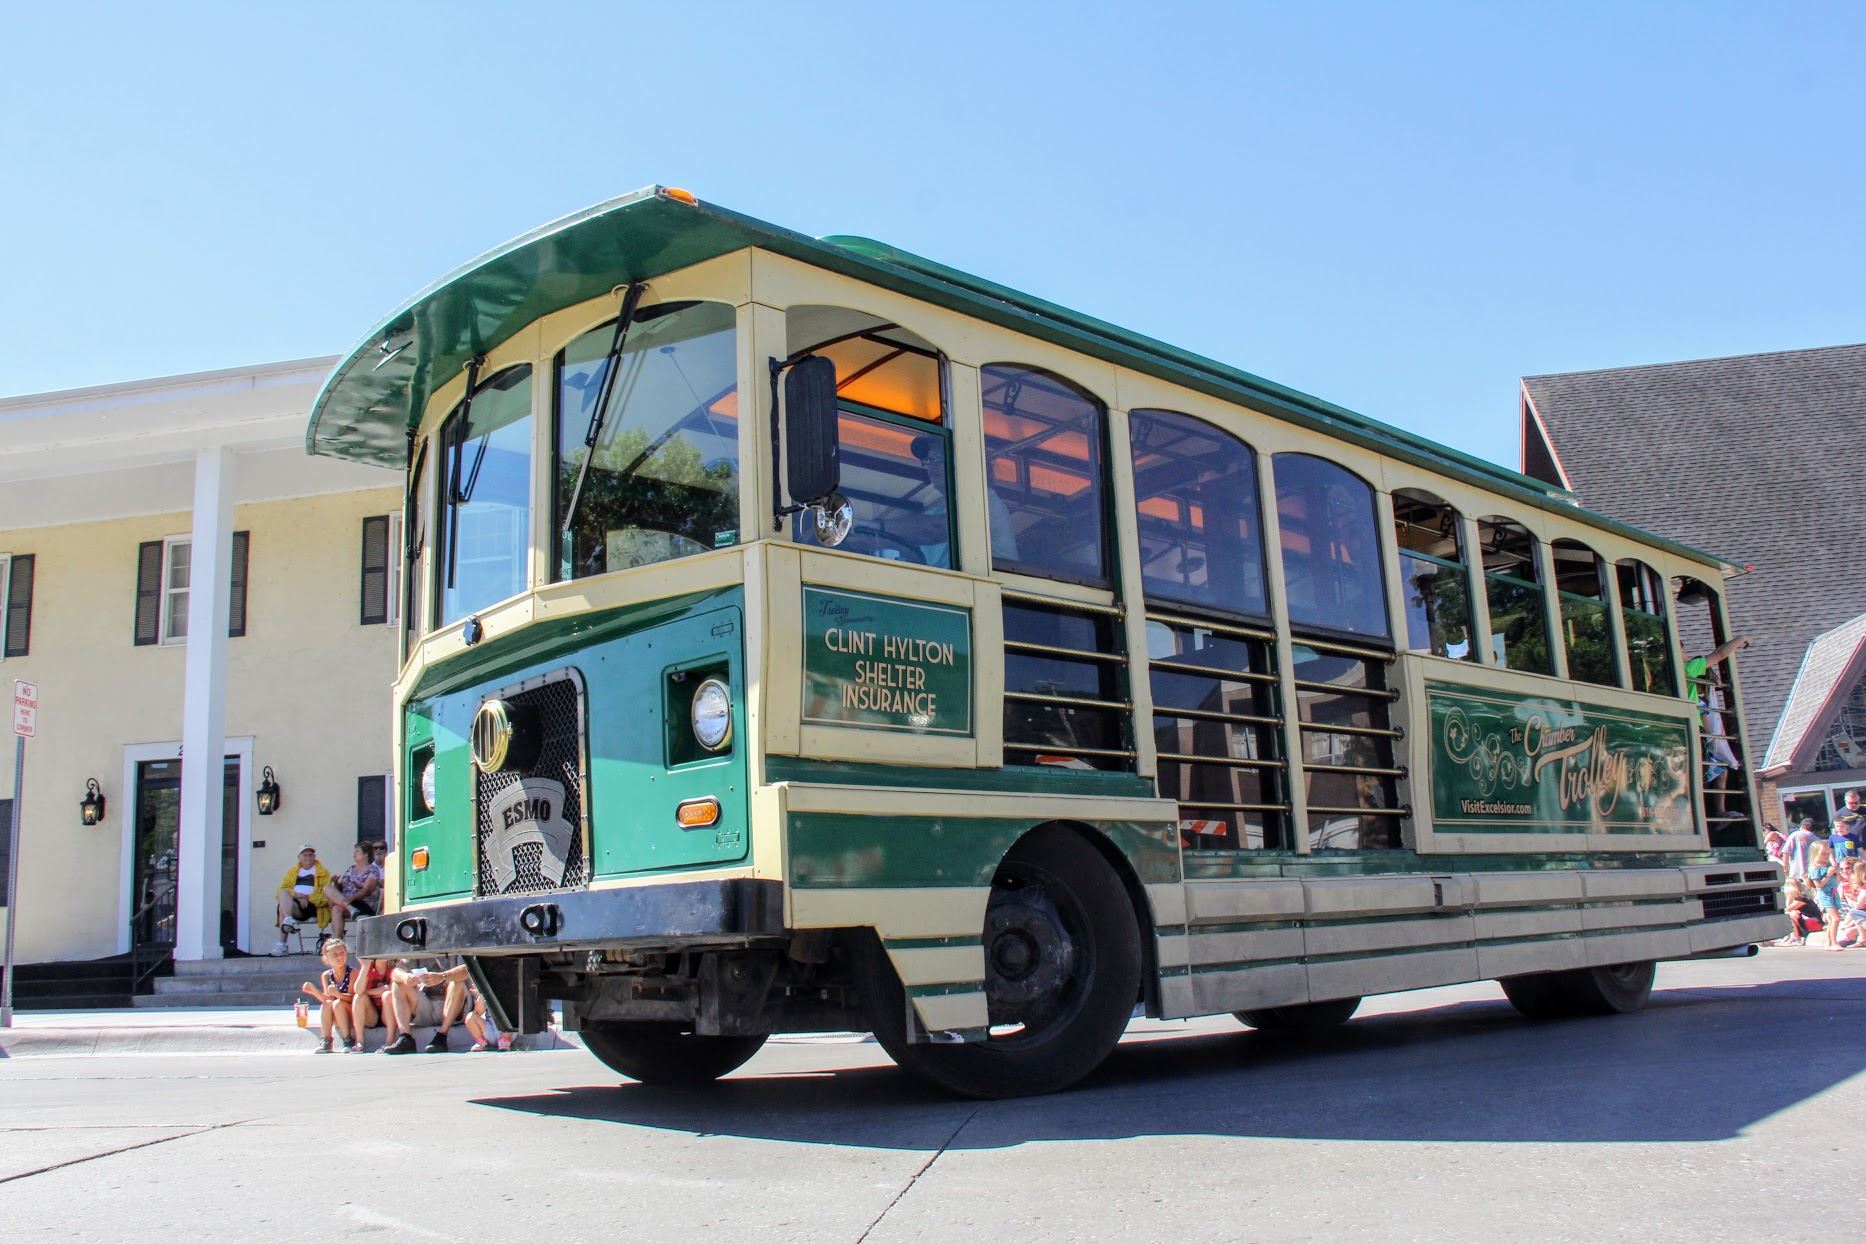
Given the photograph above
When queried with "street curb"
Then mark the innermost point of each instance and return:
(204, 1039)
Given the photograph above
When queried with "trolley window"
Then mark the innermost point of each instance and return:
(1195, 493)
(485, 535)
(1433, 577)
(1331, 547)
(1519, 637)
(1043, 450)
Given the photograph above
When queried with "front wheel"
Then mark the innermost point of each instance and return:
(1618, 989)
(664, 1053)
(1302, 1017)
(1062, 973)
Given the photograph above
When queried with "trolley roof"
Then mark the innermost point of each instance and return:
(375, 396)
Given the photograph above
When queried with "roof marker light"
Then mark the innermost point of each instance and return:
(681, 196)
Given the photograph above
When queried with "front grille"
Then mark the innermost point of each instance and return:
(557, 702)
(1731, 906)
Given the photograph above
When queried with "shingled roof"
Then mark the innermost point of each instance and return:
(1760, 458)
(1826, 677)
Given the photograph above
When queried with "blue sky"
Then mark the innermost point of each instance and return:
(1399, 208)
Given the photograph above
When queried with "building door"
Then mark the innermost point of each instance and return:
(158, 835)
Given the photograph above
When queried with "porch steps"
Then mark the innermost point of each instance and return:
(224, 983)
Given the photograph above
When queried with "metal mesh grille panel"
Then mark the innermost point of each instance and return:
(560, 758)
(1731, 906)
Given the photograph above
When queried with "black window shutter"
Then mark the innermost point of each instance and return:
(236, 598)
(149, 592)
(371, 806)
(19, 607)
(375, 570)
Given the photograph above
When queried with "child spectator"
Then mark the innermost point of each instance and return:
(1801, 913)
(479, 1022)
(1824, 883)
(335, 993)
(358, 891)
(1773, 842)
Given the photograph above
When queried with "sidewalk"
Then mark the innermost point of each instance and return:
(245, 1030)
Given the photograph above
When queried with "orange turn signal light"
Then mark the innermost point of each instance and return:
(697, 813)
(681, 196)
(418, 859)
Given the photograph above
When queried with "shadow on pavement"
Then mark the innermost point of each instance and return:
(1696, 1065)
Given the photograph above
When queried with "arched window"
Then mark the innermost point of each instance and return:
(896, 445)
(1195, 493)
(1709, 673)
(1519, 634)
(1043, 463)
(663, 479)
(1642, 618)
(1433, 579)
(1331, 547)
(1587, 631)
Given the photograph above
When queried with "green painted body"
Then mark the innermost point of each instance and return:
(641, 762)
(1505, 763)
(828, 851)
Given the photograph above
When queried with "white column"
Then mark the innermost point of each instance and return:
(204, 708)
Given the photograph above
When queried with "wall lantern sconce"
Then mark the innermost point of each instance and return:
(91, 807)
(268, 794)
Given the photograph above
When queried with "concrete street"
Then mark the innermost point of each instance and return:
(1719, 1113)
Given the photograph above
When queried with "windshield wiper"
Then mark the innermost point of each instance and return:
(630, 300)
(457, 496)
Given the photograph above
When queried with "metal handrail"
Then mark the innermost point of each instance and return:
(138, 972)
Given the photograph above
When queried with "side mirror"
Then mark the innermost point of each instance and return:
(813, 456)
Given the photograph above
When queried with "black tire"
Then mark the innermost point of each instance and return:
(1617, 989)
(1062, 967)
(1302, 1017)
(666, 1053)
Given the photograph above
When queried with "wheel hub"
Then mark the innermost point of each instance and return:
(1029, 955)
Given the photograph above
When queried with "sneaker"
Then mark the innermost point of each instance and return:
(287, 928)
(404, 1044)
(283, 948)
(505, 1042)
(353, 1047)
(323, 1047)
(437, 1044)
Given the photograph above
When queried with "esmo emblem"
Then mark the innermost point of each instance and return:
(530, 811)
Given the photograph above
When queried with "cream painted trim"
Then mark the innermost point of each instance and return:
(761, 338)
(789, 568)
(963, 407)
(1277, 589)
(938, 965)
(1128, 575)
(965, 804)
(904, 912)
(952, 1012)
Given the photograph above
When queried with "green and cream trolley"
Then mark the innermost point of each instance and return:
(805, 635)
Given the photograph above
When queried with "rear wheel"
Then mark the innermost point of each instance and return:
(665, 1053)
(1062, 972)
(1302, 1017)
(1617, 989)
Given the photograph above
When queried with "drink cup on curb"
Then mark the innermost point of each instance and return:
(303, 1015)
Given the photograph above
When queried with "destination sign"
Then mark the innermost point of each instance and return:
(1505, 763)
(885, 663)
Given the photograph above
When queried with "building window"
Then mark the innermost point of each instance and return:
(380, 588)
(175, 578)
(164, 581)
(17, 574)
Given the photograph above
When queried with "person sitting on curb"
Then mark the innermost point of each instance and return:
(358, 891)
(372, 1004)
(301, 895)
(446, 982)
(335, 992)
(479, 1022)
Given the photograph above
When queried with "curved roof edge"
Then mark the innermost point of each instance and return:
(374, 397)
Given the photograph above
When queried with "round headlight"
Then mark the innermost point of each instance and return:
(712, 714)
(427, 784)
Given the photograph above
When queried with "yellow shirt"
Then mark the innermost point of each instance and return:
(318, 897)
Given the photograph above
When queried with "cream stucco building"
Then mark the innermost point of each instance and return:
(181, 579)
